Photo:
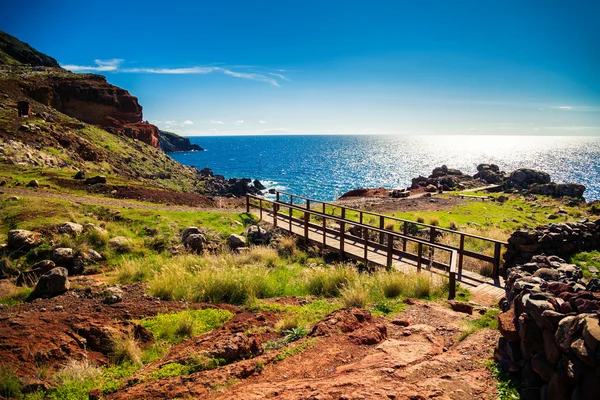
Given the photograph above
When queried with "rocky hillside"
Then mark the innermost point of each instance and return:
(15, 52)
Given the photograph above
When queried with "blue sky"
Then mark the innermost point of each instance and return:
(380, 67)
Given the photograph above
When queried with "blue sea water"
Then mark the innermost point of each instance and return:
(326, 166)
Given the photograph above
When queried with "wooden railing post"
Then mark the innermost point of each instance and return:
(366, 237)
(497, 250)
(324, 234)
(247, 203)
(323, 208)
(343, 213)
(390, 250)
(452, 288)
(276, 196)
(290, 216)
(405, 231)
(360, 217)
(261, 208)
(275, 214)
(306, 218)
(381, 226)
(461, 249)
(420, 255)
(342, 237)
(432, 234)
(307, 204)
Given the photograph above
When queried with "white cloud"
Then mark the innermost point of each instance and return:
(216, 122)
(188, 122)
(114, 65)
(239, 122)
(262, 122)
(101, 66)
(578, 108)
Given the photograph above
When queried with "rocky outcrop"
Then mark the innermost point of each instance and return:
(523, 178)
(91, 99)
(173, 143)
(51, 284)
(23, 239)
(555, 239)
(550, 330)
(559, 190)
(12, 51)
(490, 173)
(450, 179)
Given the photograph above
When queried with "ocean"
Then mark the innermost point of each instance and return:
(324, 167)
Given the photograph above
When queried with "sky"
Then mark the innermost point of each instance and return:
(334, 67)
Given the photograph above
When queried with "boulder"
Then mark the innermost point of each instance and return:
(547, 274)
(112, 295)
(52, 283)
(80, 175)
(258, 235)
(23, 239)
(89, 228)
(70, 228)
(257, 184)
(507, 327)
(591, 332)
(190, 230)
(34, 272)
(430, 189)
(120, 244)
(33, 183)
(195, 242)
(99, 179)
(461, 307)
(236, 241)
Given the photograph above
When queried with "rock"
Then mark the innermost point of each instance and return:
(120, 244)
(99, 179)
(369, 335)
(567, 328)
(236, 241)
(189, 231)
(195, 242)
(430, 189)
(70, 228)
(582, 351)
(23, 239)
(34, 272)
(547, 274)
(92, 255)
(52, 283)
(79, 175)
(272, 191)
(172, 143)
(206, 172)
(507, 327)
(33, 183)
(400, 322)
(89, 228)
(591, 333)
(551, 349)
(536, 307)
(63, 257)
(461, 307)
(552, 216)
(551, 319)
(112, 295)
(257, 235)
(542, 367)
(258, 185)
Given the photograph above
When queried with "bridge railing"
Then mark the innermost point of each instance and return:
(338, 230)
(366, 217)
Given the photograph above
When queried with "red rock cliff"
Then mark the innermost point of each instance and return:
(90, 98)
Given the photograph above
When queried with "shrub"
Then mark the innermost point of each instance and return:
(77, 371)
(355, 295)
(287, 246)
(434, 221)
(97, 238)
(125, 349)
(10, 384)
(390, 225)
(420, 220)
(328, 282)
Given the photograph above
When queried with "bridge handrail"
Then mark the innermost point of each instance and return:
(396, 219)
(360, 225)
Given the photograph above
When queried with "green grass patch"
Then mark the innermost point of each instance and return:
(18, 296)
(506, 385)
(487, 320)
(585, 260)
(176, 327)
(194, 364)
(294, 350)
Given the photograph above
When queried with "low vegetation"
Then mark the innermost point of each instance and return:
(589, 262)
(506, 385)
(487, 320)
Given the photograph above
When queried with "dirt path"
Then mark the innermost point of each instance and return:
(222, 205)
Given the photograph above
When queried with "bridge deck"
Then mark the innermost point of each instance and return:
(484, 290)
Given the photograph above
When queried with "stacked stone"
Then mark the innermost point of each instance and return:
(562, 240)
(550, 330)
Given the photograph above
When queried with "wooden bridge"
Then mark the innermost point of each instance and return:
(373, 238)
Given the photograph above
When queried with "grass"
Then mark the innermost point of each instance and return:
(355, 295)
(17, 296)
(587, 259)
(176, 327)
(294, 350)
(195, 364)
(487, 320)
(10, 384)
(125, 349)
(506, 386)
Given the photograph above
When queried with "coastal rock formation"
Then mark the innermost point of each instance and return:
(554, 239)
(523, 178)
(550, 330)
(490, 173)
(12, 50)
(91, 99)
(451, 179)
(559, 190)
(173, 143)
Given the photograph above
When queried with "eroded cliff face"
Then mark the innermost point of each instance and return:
(90, 98)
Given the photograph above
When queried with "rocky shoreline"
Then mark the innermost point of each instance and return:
(523, 180)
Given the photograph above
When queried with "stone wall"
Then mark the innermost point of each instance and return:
(562, 240)
(550, 330)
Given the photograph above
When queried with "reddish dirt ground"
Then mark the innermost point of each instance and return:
(389, 205)
(351, 354)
